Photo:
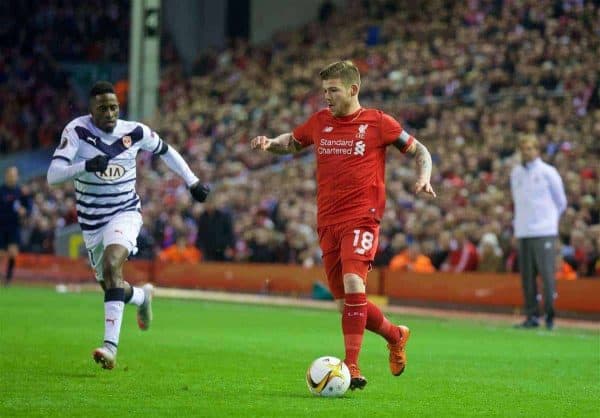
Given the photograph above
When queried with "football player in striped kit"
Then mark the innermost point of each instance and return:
(98, 152)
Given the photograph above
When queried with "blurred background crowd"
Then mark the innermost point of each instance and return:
(466, 78)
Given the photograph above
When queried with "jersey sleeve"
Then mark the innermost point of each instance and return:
(69, 144)
(392, 132)
(304, 133)
(151, 141)
(557, 189)
(390, 129)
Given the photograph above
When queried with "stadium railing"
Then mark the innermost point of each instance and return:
(466, 291)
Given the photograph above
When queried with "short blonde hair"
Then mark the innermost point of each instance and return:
(529, 139)
(344, 70)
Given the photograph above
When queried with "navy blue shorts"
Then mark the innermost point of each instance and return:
(9, 236)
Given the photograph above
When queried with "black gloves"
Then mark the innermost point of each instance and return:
(199, 191)
(97, 164)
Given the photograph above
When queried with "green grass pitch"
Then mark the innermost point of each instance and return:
(206, 359)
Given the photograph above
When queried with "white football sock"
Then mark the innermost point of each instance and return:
(113, 316)
(138, 297)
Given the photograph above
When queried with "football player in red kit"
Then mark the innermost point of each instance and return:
(349, 144)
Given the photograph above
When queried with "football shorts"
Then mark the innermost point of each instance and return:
(348, 247)
(123, 230)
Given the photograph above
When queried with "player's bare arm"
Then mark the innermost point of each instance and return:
(423, 160)
(283, 144)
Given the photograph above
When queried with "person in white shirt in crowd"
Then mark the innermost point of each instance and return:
(539, 200)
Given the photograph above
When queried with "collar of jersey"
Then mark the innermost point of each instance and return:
(532, 163)
(350, 117)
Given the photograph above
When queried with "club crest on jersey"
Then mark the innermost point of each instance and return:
(362, 131)
(127, 141)
(112, 172)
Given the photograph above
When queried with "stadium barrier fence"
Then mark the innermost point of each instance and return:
(473, 291)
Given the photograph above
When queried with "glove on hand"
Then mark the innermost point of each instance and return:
(199, 191)
(97, 164)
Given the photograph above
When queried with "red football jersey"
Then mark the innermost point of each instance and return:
(350, 154)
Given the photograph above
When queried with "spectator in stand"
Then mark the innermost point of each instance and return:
(181, 251)
(463, 254)
(261, 244)
(412, 259)
(41, 239)
(490, 254)
(565, 271)
(539, 199)
(578, 252)
(596, 262)
(215, 236)
(511, 261)
(442, 250)
(398, 245)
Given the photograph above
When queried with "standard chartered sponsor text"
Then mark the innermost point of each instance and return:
(335, 151)
(336, 142)
(324, 149)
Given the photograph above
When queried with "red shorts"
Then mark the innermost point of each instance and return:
(348, 247)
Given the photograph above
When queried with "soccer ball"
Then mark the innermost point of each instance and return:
(328, 376)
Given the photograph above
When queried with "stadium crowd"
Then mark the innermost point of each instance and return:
(466, 78)
(36, 96)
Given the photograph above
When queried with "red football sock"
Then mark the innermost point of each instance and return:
(354, 319)
(379, 324)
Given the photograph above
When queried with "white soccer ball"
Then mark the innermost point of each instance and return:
(328, 376)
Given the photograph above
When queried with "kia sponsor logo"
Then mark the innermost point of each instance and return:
(112, 172)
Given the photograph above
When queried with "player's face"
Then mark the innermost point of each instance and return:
(105, 111)
(338, 96)
(529, 151)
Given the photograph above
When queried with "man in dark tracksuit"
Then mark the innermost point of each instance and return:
(13, 205)
(215, 237)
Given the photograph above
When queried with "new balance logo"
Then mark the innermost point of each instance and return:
(362, 131)
(328, 129)
(359, 148)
